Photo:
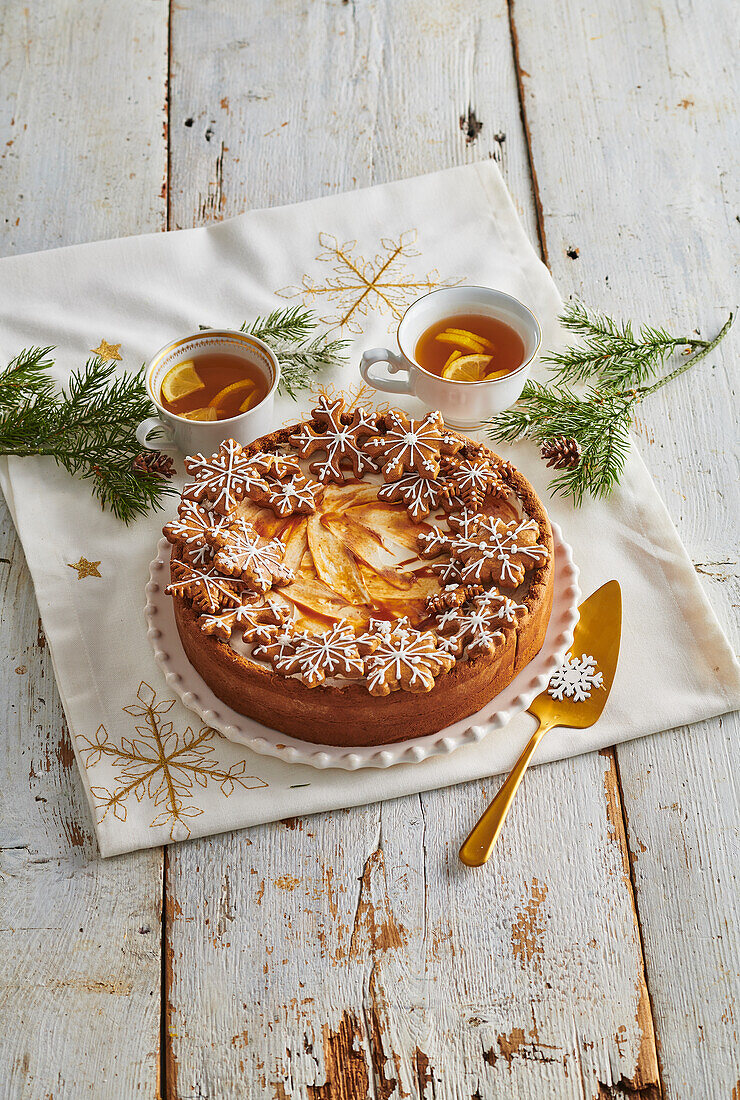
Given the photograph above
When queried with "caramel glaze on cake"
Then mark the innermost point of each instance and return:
(349, 715)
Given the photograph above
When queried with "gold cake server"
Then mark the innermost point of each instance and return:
(575, 697)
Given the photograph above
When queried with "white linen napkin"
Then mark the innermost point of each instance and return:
(358, 258)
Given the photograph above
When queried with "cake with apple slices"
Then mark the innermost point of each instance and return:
(359, 579)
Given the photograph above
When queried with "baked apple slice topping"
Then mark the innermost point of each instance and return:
(345, 521)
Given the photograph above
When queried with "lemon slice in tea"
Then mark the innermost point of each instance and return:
(181, 381)
(495, 374)
(227, 391)
(482, 340)
(461, 338)
(207, 413)
(467, 369)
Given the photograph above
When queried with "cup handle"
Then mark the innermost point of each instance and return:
(395, 363)
(144, 430)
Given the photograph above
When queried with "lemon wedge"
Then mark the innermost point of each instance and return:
(495, 374)
(469, 368)
(201, 414)
(247, 403)
(235, 387)
(181, 381)
(453, 356)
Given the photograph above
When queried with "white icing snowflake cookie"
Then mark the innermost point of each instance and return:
(224, 479)
(340, 441)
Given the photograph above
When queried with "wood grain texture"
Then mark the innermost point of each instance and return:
(83, 157)
(352, 955)
(369, 94)
(83, 113)
(635, 148)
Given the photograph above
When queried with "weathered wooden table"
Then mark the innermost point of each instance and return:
(352, 955)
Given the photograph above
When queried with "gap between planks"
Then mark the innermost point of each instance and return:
(619, 817)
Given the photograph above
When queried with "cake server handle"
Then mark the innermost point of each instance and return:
(478, 845)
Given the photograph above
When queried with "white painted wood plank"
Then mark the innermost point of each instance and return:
(353, 955)
(281, 103)
(634, 144)
(82, 112)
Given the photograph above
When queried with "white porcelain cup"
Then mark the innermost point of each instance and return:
(462, 404)
(167, 430)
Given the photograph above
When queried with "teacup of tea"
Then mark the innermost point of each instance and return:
(207, 387)
(465, 350)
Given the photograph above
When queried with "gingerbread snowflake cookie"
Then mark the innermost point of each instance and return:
(313, 657)
(296, 494)
(224, 479)
(476, 624)
(420, 495)
(400, 658)
(454, 594)
(485, 548)
(256, 619)
(207, 588)
(191, 528)
(470, 480)
(340, 437)
(411, 445)
(241, 552)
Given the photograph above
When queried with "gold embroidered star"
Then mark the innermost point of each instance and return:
(85, 568)
(107, 351)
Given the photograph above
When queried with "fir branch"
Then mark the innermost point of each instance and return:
(288, 332)
(610, 351)
(289, 323)
(89, 430)
(599, 420)
(25, 377)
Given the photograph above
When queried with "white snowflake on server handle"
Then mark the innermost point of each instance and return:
(575, 679)
(224, 479)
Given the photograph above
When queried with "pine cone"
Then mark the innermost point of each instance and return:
(154, 464)
(563, 454)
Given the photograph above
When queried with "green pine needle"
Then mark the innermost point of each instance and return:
(90, 428)
(610, 351)
(25, 378)
(618, 367)
(302, 355)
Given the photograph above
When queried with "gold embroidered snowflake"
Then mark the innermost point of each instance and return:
(162, 765)
(357, 286)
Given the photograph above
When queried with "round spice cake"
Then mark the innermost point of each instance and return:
(359, 579)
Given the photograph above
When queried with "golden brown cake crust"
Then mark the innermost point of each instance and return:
(349, 715)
